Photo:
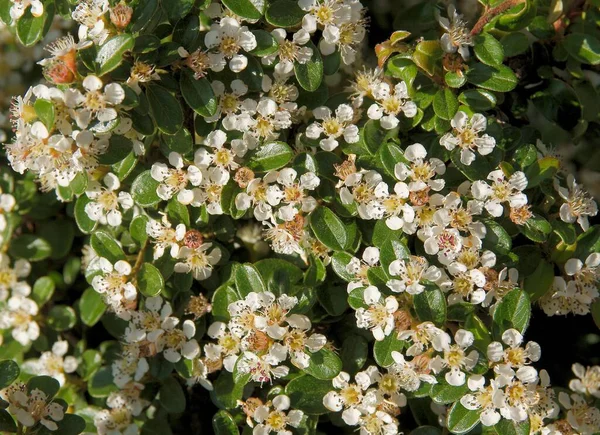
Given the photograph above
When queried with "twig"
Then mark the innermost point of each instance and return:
(491, 13)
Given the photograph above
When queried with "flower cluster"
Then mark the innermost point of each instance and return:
(213, 213)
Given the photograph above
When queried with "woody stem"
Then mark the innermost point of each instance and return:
(491, 13)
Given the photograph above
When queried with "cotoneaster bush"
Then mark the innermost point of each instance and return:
(264, 216)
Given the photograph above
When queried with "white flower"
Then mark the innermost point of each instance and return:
(466, 136)
(18, 315)
(488, 399)
(165, 237)
(421, 172)
(227, 38)
(276, 416)
(176, 343)
(588, 380)
(567, 297)
(514, 360)
(446, 243)
(359, 268)
(198, 260)
(209, 191)
(390, 102)
(293, 193)
(583, 418)
(261, 193)
(18, 7)
(53, 363)
(262, 368)
(288, 51)
(105, 202)
(114, 285)
(457, 36)
(333, 127)
(94, 104)
(32, 407)
(501, 191)
(352, 398)
(578, 205)
(423, 337)
(410, 272)
(456, 358)
(174, 181)
(10, 277)
(90, 15)
(379, 315)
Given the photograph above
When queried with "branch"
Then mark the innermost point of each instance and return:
(493, 12)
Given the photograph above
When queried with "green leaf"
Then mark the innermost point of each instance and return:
(478, 99)
(177, 9)
(306, 394)
(112, 52)
(61, 318)
(150, 281)
(428, 56)
(30, 247)
(382, 350)
(445, 104)
(507, 427)
(328, 228)
(455, 79)
(44, 110)
(513, 311)
(324, 364)
(177, 213)
(354, 353)
(227, 391)
(172, 397)
(536, 228)
(539, 282)
(310, 74)
(224, 424)
(497, 239)
(71, 424)
(461, 420)
(59, 234)
(43, 288)
(32, 29)
(270, 156)
(284, 13)
(198, 94)
(221, 299)
(9, 372)
(101, 384)
(595, 310)
(250, 9)
(488, 49)
(541, 170)
(142, 14)
(143, 190)
(444, 393)
(119, 147)
(247, 280)
(477, 170)
(514, 44)
(584, 47)
(266, 44)
(106, 246)
(91, 307)
(430, 305)
(137, 229)
(494, 78)
(7, 424)
(333, 299)
(373, 136)
(47, 384)
(165, 109)
(85, 224)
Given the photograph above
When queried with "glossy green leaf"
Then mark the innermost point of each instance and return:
(150, 281)
(198, 94)
(310, 74)
(91, 307)
(111, 53)
(165, 109)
